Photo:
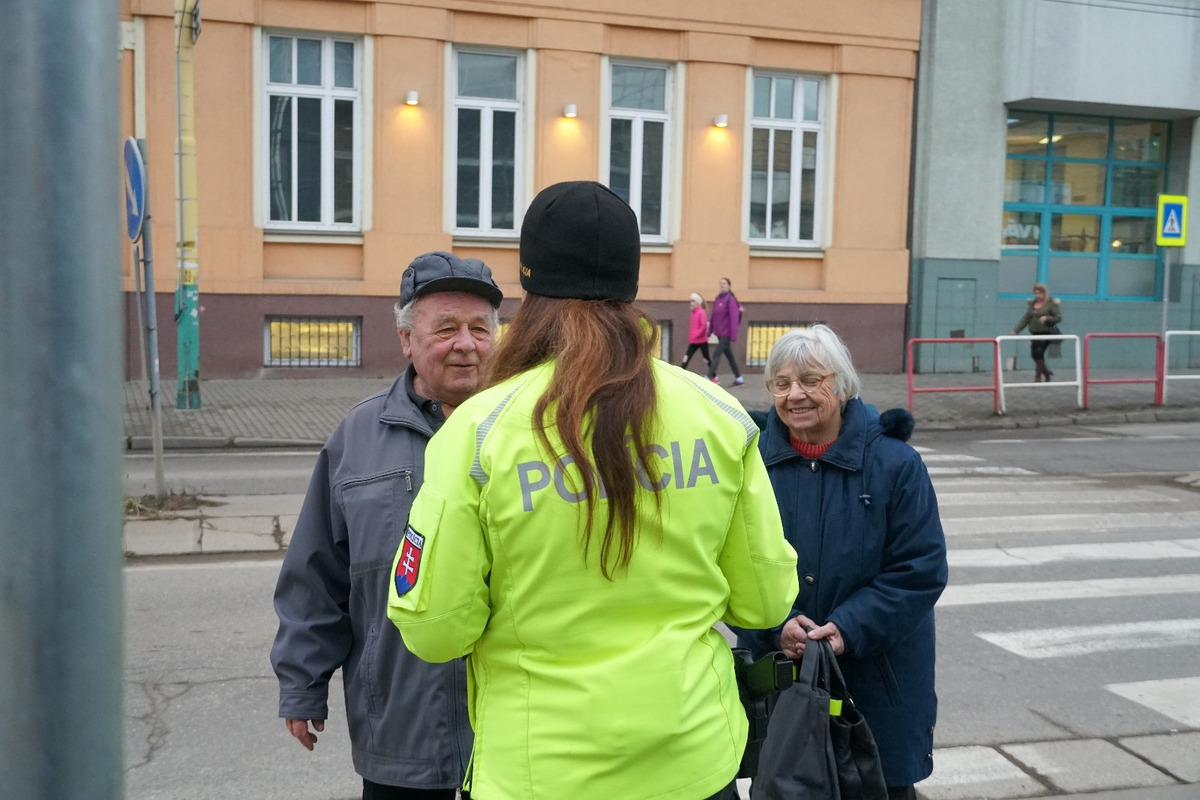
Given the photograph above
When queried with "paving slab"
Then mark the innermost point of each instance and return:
(259, 505)
(1175, 753)
(231, 524)
(162, 537)
(1086, 765)
(977, 773)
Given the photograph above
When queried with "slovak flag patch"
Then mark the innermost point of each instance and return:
(409, 563)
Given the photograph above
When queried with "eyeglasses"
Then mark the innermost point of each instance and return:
(809, 382)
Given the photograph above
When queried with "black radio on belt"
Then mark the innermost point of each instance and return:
(759, 684)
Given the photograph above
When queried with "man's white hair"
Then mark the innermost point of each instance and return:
(406, 315)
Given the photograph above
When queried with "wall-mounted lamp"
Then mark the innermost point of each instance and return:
(412, 98)
(721, 120)
(569, 111)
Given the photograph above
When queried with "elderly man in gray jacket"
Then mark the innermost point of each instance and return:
(408, 724)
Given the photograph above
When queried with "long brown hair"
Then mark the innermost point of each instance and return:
(604, 387)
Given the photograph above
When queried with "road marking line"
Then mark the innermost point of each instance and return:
(1040, 591)
(1045, 441)
(1053, 523)
(1052, 499)
(1081, 640)
(1054, 553)
(949, 471)
(1177, 698)
(949, 457)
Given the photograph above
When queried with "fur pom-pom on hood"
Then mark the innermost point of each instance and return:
(897, 423)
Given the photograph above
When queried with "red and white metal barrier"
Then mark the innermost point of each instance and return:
(994, 388)
(1080, 397)
(1166, 362)
(1157, 380)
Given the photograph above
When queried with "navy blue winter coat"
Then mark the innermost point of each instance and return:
(872, 559)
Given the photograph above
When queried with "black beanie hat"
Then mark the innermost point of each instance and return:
(580, 240)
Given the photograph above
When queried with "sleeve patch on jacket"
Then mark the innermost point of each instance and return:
(409, 563)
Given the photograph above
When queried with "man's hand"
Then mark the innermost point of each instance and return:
(799, 629)
(299, 729)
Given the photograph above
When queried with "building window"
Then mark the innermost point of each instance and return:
(639, 130)
(1080, 199)
(313, 104)
(312, 342)
(786, 159)
(487, 136)
(761, 337)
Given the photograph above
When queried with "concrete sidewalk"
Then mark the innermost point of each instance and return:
(303, 412)
(275, 412)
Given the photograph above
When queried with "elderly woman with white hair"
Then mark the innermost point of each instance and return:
(859, 508)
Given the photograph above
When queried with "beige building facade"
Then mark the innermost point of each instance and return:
(767, 142)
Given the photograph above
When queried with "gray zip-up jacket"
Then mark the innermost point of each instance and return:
(407, 718)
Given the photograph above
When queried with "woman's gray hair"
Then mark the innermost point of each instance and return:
(817, 348)
(406, 316)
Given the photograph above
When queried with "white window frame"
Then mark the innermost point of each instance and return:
(798, 127)
(327, 93)
(487, 108)
(639, 117)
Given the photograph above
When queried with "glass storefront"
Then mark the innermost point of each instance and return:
(1080, 199)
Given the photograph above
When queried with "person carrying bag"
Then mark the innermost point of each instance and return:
(818, 745)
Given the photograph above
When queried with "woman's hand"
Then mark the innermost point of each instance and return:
(799, 629)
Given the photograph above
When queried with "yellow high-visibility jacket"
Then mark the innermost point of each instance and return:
(579, 686)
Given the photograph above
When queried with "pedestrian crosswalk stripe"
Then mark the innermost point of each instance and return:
(1177, 698)
(1081, 640)
(1019, 483)
(1040, 591)
(1032, 498)
(930, 457)
(1053, 523)
(1057, 553)
(981, 470)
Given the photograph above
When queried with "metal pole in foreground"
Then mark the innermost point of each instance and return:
(147, 264)
(60, 402)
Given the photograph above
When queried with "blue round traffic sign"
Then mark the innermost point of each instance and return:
(135, 189)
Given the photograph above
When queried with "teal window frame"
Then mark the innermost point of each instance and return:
(1106, 212)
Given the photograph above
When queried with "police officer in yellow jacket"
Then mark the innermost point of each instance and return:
(583, 524)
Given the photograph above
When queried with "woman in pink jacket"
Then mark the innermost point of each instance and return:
(697, 332)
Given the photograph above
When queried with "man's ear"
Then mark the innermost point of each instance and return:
(405, 342)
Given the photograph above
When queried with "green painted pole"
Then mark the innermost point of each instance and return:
(187, 296)
(61, 554)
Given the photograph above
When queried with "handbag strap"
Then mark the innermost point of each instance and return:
(814, 670)
(839, 694)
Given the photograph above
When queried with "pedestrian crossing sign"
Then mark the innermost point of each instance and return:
(1171, 225)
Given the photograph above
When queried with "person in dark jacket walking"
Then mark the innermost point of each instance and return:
(724, 322)
(859, 508)
(409, 730)
(1042, 316)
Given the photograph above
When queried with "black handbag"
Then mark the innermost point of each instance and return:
(1054, 348)
(818, 745)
